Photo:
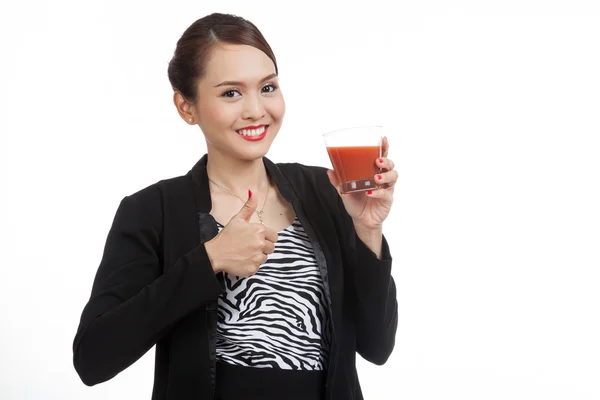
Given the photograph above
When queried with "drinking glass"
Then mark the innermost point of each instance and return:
(353, 152)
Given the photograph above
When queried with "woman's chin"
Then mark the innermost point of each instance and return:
(252, 150)
(254, 154)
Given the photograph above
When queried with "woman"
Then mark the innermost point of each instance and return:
(253, 280)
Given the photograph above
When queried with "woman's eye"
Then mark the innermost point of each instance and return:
(230, 93)
(271, 88)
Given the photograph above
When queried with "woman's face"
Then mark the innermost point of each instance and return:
(240, 107)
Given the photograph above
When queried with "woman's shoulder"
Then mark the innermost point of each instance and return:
(150, 204)
(311, 179)
(149, 200)
(309, 170)
(298, 173)
(155, 190)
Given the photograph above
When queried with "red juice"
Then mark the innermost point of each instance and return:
(355, 166)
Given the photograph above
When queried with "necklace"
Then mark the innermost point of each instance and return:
(259, 214)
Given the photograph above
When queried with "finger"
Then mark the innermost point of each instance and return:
(381, 194)
(385, 145)
(385, 163)
(259, 259)
(271, 235)
(269, 247)
(389, 177)
(249, 207)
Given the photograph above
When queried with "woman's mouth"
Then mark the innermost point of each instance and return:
(253, 134)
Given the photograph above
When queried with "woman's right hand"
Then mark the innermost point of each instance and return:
(241, 246)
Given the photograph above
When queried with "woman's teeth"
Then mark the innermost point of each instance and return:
(252, 132)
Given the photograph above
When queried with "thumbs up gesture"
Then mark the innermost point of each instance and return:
(241, 246)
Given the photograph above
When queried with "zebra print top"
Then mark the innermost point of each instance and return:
(278, 317)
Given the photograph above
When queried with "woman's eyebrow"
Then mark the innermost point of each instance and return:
(235, 83)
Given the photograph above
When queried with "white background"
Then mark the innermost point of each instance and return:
(492, 112)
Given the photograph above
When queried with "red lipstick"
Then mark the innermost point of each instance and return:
(252, 127)
(254, 138)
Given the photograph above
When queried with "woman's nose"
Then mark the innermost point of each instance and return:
(253, 108)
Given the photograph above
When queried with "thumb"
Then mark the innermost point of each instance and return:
(249, 208)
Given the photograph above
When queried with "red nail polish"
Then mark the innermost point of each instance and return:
(380, 160)
(249, 193)
(379, 177)
(369, 192)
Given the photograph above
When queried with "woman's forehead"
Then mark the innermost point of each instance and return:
(240, 63)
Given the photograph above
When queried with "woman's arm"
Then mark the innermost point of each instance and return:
(132, 304)
(367, 267)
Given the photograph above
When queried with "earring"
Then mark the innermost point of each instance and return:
(191, 119)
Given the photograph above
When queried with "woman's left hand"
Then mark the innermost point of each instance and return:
(369, 209)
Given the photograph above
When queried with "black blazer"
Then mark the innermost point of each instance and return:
(155, 286)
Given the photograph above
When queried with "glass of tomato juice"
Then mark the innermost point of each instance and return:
(353, 152)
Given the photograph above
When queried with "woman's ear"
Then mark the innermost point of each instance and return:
(184, 108)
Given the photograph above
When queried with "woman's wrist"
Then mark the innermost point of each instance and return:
(210, 252)
(371, 237)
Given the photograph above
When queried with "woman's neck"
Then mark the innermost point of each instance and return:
(237, 176)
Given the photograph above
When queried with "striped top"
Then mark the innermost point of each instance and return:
(278, 317)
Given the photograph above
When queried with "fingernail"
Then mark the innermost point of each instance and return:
(379, 177)
(369, 192)
(380, 160)
(249, 193)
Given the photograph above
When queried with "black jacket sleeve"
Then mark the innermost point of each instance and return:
(133, 304)
(373, 293)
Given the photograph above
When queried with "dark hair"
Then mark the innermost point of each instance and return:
(188, 64)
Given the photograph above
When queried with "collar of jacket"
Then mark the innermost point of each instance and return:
(200, 176)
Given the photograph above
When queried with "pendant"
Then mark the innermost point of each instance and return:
(259, 215)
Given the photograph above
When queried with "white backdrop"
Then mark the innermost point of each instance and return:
(492, 112)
